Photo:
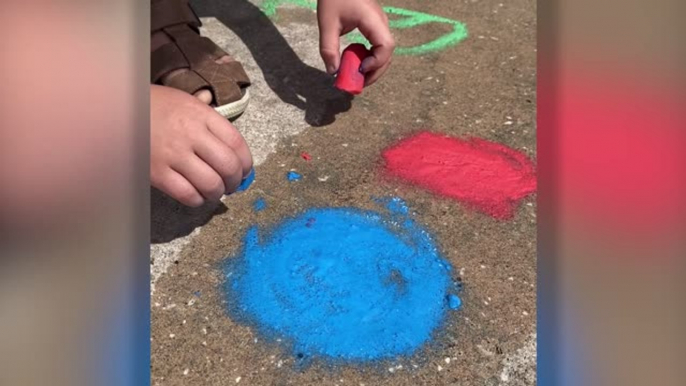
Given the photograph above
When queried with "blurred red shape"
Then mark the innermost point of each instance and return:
(621, 149)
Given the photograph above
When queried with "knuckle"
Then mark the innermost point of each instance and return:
(229, 135)
(327, 52)
(177, 147)
(233, 145)
(216, 188)
(213, 189)
(248, 165)
(192, 132)
(234, 139)
(231, 168)
(186, 195)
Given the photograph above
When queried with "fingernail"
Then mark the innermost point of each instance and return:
(247, 181)
(365, 63)
(331, 69)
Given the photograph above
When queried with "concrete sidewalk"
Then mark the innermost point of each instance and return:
(483, 86)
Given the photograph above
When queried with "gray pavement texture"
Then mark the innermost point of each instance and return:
(485, 86)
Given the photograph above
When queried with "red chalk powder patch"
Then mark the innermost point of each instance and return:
(487, 176)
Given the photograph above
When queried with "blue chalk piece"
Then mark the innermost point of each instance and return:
(259, 204)
(454, 302)
(360, 288)
(247, 181)
(293, 176)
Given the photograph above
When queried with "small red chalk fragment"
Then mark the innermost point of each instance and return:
(306, 156)
(349, 78)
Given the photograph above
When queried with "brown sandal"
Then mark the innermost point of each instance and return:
(227, 82)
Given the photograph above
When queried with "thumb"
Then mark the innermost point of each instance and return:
(329, 44)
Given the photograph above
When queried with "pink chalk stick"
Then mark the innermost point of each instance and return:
(349, 78)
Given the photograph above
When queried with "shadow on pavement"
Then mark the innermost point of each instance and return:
(290, 78)
(170, 220)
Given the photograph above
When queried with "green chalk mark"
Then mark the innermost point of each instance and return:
(407, 19)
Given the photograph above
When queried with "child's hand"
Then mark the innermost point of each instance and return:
(338, 17)
(195, 153)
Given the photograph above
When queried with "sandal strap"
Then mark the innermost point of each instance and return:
(225, 80)
(198, 55)
(186, 47)
(165, 60)
(167, 13)
(188, 50)
(196, 48)
(190, 82)
(238, 73)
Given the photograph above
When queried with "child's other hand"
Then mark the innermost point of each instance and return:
(195, 153)
(338, 17)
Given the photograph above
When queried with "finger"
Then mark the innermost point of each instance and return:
(179, 188)
(222, 159)
(208, 182)
(373, 76)
(329, 41)
(382, 42)
(227, 134)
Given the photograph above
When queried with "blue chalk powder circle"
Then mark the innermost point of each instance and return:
(341, 284)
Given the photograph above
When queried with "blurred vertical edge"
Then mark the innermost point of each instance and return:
(74, 192)
(140, 316)
(547, 145)
(612, 213)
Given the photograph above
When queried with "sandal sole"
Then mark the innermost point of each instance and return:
(234, 109)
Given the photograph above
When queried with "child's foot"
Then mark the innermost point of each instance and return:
(159, 39)
(184, 60)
